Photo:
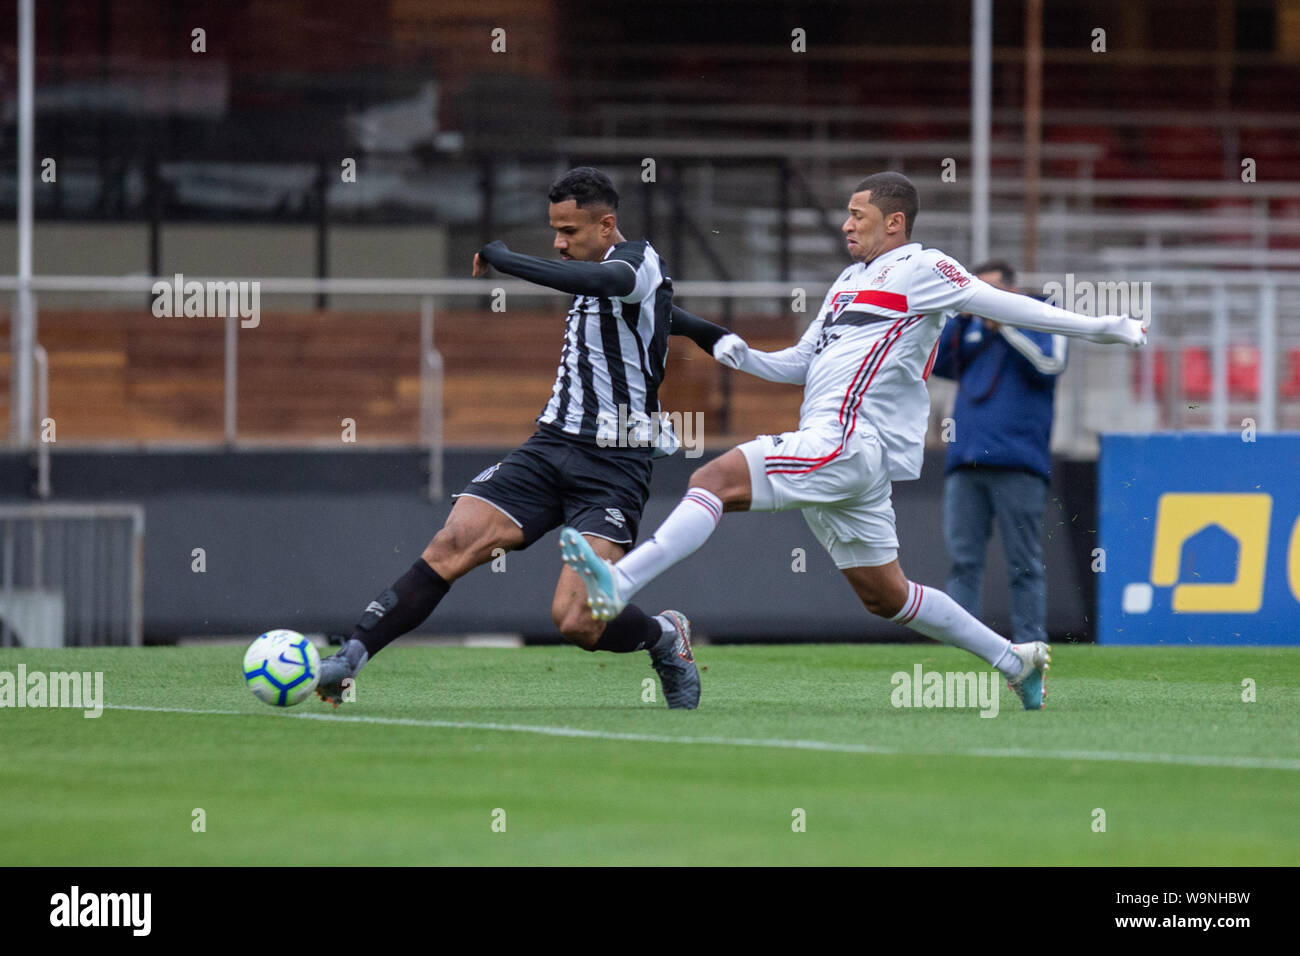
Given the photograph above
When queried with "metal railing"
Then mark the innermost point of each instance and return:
(1257, 313)
(431, 363)
(1190, 308)
(827, 124)
(73, 574)
(1245, 229)
(42, 416)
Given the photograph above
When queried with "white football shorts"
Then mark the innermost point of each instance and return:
(842, 488)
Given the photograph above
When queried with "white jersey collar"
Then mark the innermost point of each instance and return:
(906, 248)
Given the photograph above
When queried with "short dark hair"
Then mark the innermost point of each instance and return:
(891, 193)
(996, 265)
(586, 186)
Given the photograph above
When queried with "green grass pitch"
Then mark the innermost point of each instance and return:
(440, 739)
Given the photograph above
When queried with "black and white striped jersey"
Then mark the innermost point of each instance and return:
(607, 383)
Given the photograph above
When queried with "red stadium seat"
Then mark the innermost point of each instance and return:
(1160, 375)
(1111, 165)
(1198, 373)
(1276, 152)
(1232, 208)
(1291, 387)
(914, 131)
(1243, 371)
(1285, 209)
(1182, 152)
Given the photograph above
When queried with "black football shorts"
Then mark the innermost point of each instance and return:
(550, 481)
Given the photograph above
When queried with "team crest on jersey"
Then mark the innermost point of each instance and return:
(838, 303)
(487, 473)
(615, 517)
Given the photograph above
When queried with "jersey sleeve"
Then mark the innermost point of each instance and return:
(702, 332)
(789, 365)
(575, 278)
(1011, 308)
(632, 253)
(939, 283)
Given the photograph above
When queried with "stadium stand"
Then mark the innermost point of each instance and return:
(1131, 184)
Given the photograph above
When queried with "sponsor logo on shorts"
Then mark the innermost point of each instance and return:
(486, 473)
(615, 517)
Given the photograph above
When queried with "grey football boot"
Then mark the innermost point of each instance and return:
(674, 661)
(339, 668)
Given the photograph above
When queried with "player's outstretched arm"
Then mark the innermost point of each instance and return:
(702, 332)
(608, 279)
(789, 366)
(727, 347)
(1029, 313)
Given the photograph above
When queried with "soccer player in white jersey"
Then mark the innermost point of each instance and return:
(863, 362)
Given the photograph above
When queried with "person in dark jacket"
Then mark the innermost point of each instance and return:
(999, 458)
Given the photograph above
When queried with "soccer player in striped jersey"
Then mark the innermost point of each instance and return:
(863, 362)
(587, 466)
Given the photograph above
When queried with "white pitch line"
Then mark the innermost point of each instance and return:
(1104, 756)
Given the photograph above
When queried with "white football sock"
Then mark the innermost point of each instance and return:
(681, 534)
(933, 613)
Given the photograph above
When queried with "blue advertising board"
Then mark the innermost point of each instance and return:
(1200, 539)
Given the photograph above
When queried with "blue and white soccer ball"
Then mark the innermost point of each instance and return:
(282, 668)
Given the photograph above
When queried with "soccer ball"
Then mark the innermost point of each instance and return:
(281, 668)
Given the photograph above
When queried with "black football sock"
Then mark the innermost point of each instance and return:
(633, 630)
(401, 608)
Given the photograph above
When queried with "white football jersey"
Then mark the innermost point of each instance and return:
(871, 347)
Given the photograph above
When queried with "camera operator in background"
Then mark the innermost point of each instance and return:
(999, 459)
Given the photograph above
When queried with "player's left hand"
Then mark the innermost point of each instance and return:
(730, 350)
(480, 266)
(1121, 330)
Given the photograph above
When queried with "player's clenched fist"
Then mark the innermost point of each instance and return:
(480, 267)
(730, 350)
(1120, 330)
